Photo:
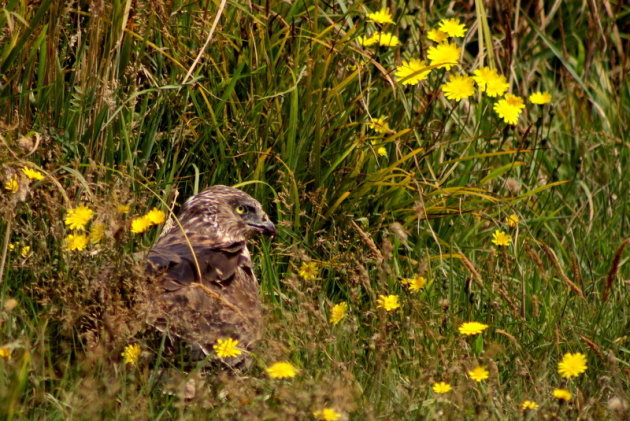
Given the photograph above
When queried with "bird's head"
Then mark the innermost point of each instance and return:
(225, 212)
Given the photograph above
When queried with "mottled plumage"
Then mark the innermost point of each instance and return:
(203, 287)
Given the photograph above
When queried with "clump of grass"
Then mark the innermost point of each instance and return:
(411, 177)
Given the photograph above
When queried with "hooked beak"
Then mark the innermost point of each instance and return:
(267, 228)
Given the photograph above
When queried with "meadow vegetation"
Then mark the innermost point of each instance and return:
(449, 181)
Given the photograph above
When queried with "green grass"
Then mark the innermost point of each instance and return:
(97, 96)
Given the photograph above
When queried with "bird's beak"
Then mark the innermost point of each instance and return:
(268, 228)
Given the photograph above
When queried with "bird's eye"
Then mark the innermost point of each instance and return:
(240, 209)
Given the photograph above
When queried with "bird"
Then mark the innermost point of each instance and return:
(202, 286)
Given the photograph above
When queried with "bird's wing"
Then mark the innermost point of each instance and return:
(224, 303)
(179, 267)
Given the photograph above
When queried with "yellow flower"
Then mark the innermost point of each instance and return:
(367, 41)
(472, 328)
(379, 125)
(483, 75)
(562, 394)
(381, 151)
(458, 87)
(309, 271)
(140, 224)
(327, 414)
(437, 35)
(5, 352)
(444, 55)
(512, 221)
(526, 405)
(441, 387)
(282, 370)
(32, 174)
(156, 216)
(382, 16)
(26, 250)
(509, 108)
(415, 284)
(386, 39)
(11, 246)
(131, 354)
(12, 185)
(411, 72)
(97, 232)
(338, 312)
(452, 27)
(540, 98)
(497, 86)
(388, 302)
(500, 238)
(572, 365)
(490, 82)
(76, 242)
(227, 348)
(123, 209)
(478, 374)
(78, 217)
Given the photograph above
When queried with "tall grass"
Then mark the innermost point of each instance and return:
(128, 103)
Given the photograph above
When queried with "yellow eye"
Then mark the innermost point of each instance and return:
(240, 209)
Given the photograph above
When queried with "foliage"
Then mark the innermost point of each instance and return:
(374, 178)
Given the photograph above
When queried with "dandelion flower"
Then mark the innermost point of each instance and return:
(309, 271)
(5, 352)
(512, 221)
(540, 98)
(500, 238)
(382, 16)
(478, 374)
(437, 35)
(482, 75)
(386, 39)
(415, 284)
(472, 328)
(26, 250)
(458, 87)
(441, 387)
(562, 394)
(140, 224)
(338, 312)
(527, 405)
(381, 151)
(452, 27)
(411, 72)
(367, 41)
(490, 82)
(131, 354)
(327, 414)
(509, 108)
(388, 302)
(282, 370)
(32, 174)
(497, 86)
(156, 216)
(379, 125)
(122, 209)
(76, 242)
(97, 233)
(77, 218)
(444, 55)
(12, 186)
(572, 365)
(227, 348)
